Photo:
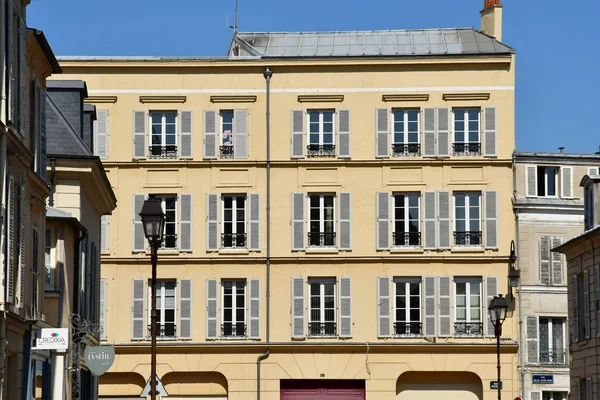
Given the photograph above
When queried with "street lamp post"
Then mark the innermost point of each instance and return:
(497, 309)
(153, 221)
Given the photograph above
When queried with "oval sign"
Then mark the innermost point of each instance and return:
(99, 359)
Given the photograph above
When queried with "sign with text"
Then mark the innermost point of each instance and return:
(543, 378)
(494, 385)
(99, 359)
(53, 339)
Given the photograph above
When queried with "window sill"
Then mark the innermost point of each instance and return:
(234, 251)
(321, 250)
(168, 252)
(323, 337)
(467, 249)
(407, 249)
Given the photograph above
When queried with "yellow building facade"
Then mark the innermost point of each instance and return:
(339, 233)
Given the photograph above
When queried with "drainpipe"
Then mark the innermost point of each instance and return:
(258, 360)
(517, 247)
(267, 74)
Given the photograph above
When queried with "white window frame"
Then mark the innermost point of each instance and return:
(322, 282)
(550, 325)
(563, 393)
(221, 127)
(407, 213)
(163, 202)
(468, 282)
(546, 180)
(466, 121)
(405, 122)
(234, 221)
(321, 133)
(234, 307)
(160, 311)
(467, 218)
(49, 278)
(322, 215)
(163, 125)
(407, 282)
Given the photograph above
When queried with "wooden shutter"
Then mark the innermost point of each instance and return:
(24, 205)
(104, 233)
(254, 310)
(490, 132)
(298, 225)
(212, 307)
(254, 221)
(445, 317)
(298, 308)
(140, 132)
(557, 263)
(491, 290)
(103, 308)
(297, 134)
(535, 395)
(185, 309)
(566, 177)
(491, 219)
(138, 309)
(430, 307)
(531, 330)
(430, 207)
(345, 221)
(35, 273)
(384, 307)
(101, 134)
(586, 303)
(382, 128)
(444, 225)
(212, 222)
(43, 137)
(576, 325)
(383, 220)
(240, 134)
(139, 239)
(186, 134)
(12, 245)
(185, 222)
(544, 256)
(531, 181)
(597, 297)
(344, 134)
(12, 63)
(345, 307)
(443, 131)
(429, 122)
(210, 134)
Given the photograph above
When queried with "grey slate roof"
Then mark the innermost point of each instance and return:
(53, 212)
(391, 43)
(548, 202)
(62, 139)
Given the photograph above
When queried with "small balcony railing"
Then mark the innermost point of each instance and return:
(321, 239)
(406, 150)
(226, 151)
(468, 329)
(320, 150)
(158, 151)
(322, 329)
(466, 149)
(467, 238)
(163, 331)
(169, 242)
(556, 357)
(230, 330)
(408, 329)
(233, 240)
(406, 239)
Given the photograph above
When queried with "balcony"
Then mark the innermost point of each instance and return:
(467, 238)
(468, 329)
(321, 239)
(169, 242)
(226, 151)
(163, 152)
(233, 240)
(406, 150)
(163, 331)
(408, 329)
(557, 357)
(322, 329)
(406, 239)
(320, 150)
(230, 330)
(466, 149)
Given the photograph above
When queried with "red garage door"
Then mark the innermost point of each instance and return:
(322, 390)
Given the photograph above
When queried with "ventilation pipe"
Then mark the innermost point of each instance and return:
(268, 74)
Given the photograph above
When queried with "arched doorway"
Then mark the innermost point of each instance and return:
(416, 385)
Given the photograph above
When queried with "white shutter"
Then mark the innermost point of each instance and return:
(139, 239)
(254, 221)
(586, 303)
(535, 395)
(557, 263)
(430, 306)
(212, 222)
(490, 132)
(383, 220)
(101, 134)
(575, 301)
(297, 133)
(298, 225)
(185, 222)
(210, 134)
(12, 240)
(592, 170)
(384, 307)
(140, 131)
(544, 256)
(103, 308)
(212, 309)
(491, 219)
(444, 225)
(430, 220)
(445, 306)
(566, 177)
(298, 308)
(24, 82)
(254, 309)
(344, 134)
(184, 330)
(186, 134)
(382, 131)
(429, 139)
(104, 233)
(491, 291)
(12, 35)
(138, 309)
(443, 131)
(531, 180)
(345, 221)
(345, 307)
(531, 330)
(240, 134)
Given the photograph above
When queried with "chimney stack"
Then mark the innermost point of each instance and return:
(491, 18)
(561, 149)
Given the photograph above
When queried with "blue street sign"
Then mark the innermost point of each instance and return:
(494, 385)
(543, 378)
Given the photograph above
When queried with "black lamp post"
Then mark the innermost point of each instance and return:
(513, 273)
(153, 221)
(497, 309)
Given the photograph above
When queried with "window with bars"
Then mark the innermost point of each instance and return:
(322, 311)
(406, 220)
(467, 297)
(405, 133)
(321, 227)
(234, 309)
(467, 219)
(407, 307)
(234, 222)
(165, 309)
(552, 341)
(321, 139)
(466, 132)
(164, 134)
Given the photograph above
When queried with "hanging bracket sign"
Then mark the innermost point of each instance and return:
(99, 359)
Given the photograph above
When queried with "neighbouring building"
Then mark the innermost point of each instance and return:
(343, 238)
(549, 210)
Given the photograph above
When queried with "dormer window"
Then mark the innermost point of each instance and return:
(588, 202)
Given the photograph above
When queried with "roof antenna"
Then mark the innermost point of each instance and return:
(235, 20)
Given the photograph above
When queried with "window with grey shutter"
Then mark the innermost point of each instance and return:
(240, 134)
(344, 134)
(12, 35)
(34, 273)
(24, 81)
(185, 309)
(210, 134)
(101, 134)
(140, 129)
(383, 220)
(24, 206)
(298, 225)
(103, 308)
(589, 388)
(430, 220)
(430, 307)
(345, 221)
(297, 134)
(345, 307)
(445, 316)
(186, 134)
(185, 222)
(597, 297)
(212, 307)
(104, 233)
(254, 221)
(544, 256)
(557, 262)
(254, 309)
(429, 132)
(12, 240)
(298, 308)
(491, 219)
(586, 303)
(491, 291)
(382, 139)
(531, 180)
(566, 177)
(444, 226)
(490, 132)
(443, 131)
(384, 307)
(138, 309)
(43, 137)
(575, 302)
(139, 239)
(212, 222)
(531, 330)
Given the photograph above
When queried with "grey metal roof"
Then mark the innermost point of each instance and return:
(548, 202)
(53, 212)
(406, 43)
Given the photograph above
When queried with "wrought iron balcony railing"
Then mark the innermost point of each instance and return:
(322, 329)
(320, 150)
(158, 151)
(468, 329)
(466, 149)
(556, 357)
(467, 238)
(233, 240)
(321, 239)
(226, 151)
(163, 331)
(408, 329)
(406, 150)
(405, 239)
(230, 330)
(169, 242)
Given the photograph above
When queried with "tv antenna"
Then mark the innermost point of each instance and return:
(235, 19)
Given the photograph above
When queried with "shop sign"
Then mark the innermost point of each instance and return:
(53, 339)
(543, 378)
(99, 359)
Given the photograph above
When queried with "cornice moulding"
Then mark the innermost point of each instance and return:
(233, 99)
(320, 98)
(163, 99)
(100, 99)
(465, 96)
(405, 97)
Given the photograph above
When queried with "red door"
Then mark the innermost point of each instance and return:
(322, 390)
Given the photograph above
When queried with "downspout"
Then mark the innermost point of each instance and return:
(52, 177)
(258, 360)
(517, 246)
(76, 277)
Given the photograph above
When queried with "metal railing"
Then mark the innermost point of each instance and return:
(158, 151)
(164, 331)
(467, 238)
(402, 239)
(322, 329)
(321, 239)
(320, 150)
(466, 149)
(169, 242)
(556, 357)
(468, 329)
(406, 150)
(233, 240)
(408, 329)
(226, 151)
(232, 330)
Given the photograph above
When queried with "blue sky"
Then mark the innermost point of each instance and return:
(558, 51)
